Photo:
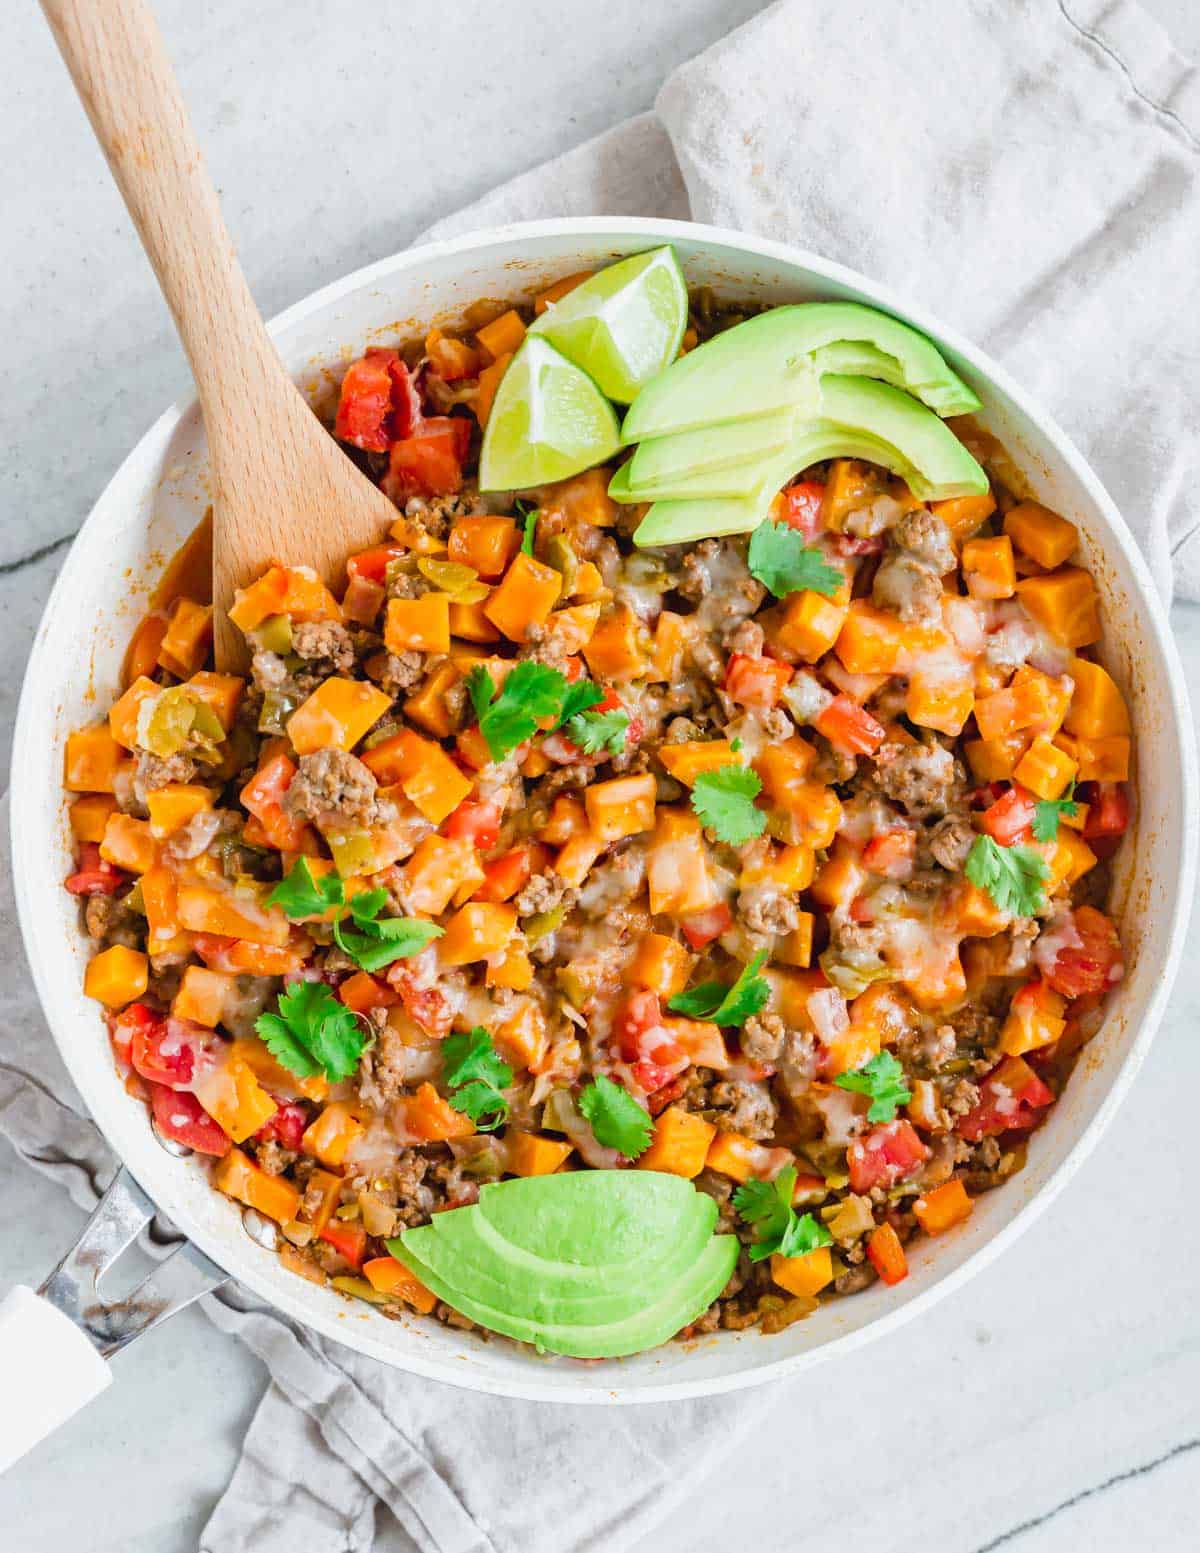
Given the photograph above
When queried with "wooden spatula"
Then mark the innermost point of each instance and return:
(282, 488)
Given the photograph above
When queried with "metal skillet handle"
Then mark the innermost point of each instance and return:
(54, 1344)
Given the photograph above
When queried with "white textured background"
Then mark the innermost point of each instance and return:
(1063, 1388)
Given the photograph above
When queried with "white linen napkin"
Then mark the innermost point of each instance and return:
(1029, 170)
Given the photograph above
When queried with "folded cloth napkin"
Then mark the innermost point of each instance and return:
(1030, 170)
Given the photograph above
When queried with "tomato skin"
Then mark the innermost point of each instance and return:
(802, 507)
(1010, 819)
(703, 926)
(371, 565)
(850, 727)
(756, 682)
(287, 1126)
(171, 1052)
(180, 1117)
(429, 462)
(95, 875)
(642, 1012)
(1108, 810)
(124, 1026)
(1012, 1098)
(478, 823)
(348, 1238)
(504, 876)
(888, 1153)
(378, 403)
(425, 1005)
(1094, 964)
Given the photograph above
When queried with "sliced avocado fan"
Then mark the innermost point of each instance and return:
(590, 1263)
(771, 361)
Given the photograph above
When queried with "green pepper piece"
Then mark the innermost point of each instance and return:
(274, 634)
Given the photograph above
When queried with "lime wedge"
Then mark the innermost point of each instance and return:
(624, 324)
(548, 421)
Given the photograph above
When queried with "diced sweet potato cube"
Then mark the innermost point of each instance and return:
(1041, 534)
(476, 930)
(1104, 760)
(281, 590)
(871, 640)
(572, 629)
(427, 707)
(418, 625)
(188, 638)
(525, 597)
(964, 515)
(129, 844)
(989, 569)
(1045, 769)
(1098, 709)
(622, 807)
(933, 701)
(234, 1098)
(211, 908)
(388, 1276)
(796, 947)
(486, 544)
(945, 1206)
(203, 997)
(996, 759)
(141, 657)
(685, 762)
(1065, 603)
(848, 485)
(239, 1177)
(93, 758)
(810, 624)
(220, 692)
(430, 1119)
(735, 1155)
(89, 815)
(680, 1144)
(660, 964)
(336, 716)
(574, 862)
(677, 866)
(804, 1275)
(123, 714)
(614, 653)
(672, 636)
(331, 1134)
(116, 976)
(438, 869)
(532, 1154)
(503, 335)
(172, 806)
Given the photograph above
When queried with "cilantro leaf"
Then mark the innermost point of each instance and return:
(395, 938)
(507, 718)
(531, 517)
(1012, 876)
(616, 1118)
(1048, 811)
(727, 1005)
(311, 1032)
(767, 1205)
(584, 693)
(597, 731)
(783, 563)
(883, 1079)
(474, 1069)
(724, 800)
(804, 1233)
(301, 895)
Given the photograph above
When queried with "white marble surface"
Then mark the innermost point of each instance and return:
(1055, 1403)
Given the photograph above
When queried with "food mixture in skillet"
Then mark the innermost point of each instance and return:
(775, 862)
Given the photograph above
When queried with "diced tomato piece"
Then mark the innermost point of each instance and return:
(172, 1051)
(887, 1254)
(888, 1153)
(425, 1005)
(891, 852)
(640, 1013)
(1108, 810)
(180, 1117)
(1012, 1098)
(573, 669)
(852, 544)
(348, 1238)
(1094, 964)
(478, 823)
(287, 1126)
(757, 682)
(801, 507)
(95, 875)
(371, 565)
(379, 402)
(850, 727)
(429, 462)
(703, 926)
(1010, 819)
(124, 1026)
(505, 875)
(659, 1100)
(263, 797)
(644, 1043)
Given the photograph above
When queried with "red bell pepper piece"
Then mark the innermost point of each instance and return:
(801, 507)
(703, 926)
(180, 1117)
(95, 875)
(888, 1153)
(850, 727)
(429, 462)
(756, 682)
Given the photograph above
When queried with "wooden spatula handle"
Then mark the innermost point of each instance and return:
(117, 59)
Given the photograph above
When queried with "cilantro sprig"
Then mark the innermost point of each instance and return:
(374, 941)
(1048, 812)
(724, 801)
(724, 1005)
(473, 1068)
(531, 694)
(783, 563)
(616, 1118)
(596, 732)
(767, 1206)
(311, 1032)
(1014, 877)
(883, 1079)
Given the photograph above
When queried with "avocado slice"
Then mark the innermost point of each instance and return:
(661, 460)
(649, 1326)
(588, 1217)
(467, 1253)
(772, 361)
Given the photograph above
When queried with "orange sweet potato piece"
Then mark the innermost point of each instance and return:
(1098, 709)
(525, 597)
(430, 1119)
(1065, 603)
(614, 653)
(621, 807)
(680, 1143)
(1041, 534)
(187, 639)
(116, 976)
(388, 1276)
(93, 758)
(531, 1154)
(239, 1177)
(337, 715)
